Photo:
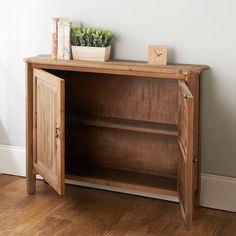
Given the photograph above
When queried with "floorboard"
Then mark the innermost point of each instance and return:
(90, 212)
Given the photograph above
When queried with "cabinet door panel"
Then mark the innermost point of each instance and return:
(185, 155)
(48, 128)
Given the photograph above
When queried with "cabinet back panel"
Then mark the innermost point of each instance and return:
(124, 97)
(120, 149)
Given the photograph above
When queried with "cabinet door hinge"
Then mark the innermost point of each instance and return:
(195, 157)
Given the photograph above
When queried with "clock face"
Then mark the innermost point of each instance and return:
(157, 55)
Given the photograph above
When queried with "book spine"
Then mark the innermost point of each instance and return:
(54, 37)
(60, 39)
(67, 49)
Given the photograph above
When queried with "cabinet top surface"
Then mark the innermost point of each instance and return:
(117, 67)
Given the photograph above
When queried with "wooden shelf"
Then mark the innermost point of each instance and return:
(124, 179)
(138, 126)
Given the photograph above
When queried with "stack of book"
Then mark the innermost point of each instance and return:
(61, 48)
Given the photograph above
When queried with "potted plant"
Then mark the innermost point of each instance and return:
(91, 43)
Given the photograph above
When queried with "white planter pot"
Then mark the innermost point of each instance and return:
(91, 53)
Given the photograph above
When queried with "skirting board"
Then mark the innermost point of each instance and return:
(217, 192)
(12, 160)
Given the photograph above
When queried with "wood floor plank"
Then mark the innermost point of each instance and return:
(90, 212)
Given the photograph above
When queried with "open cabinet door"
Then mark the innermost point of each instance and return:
(185, 155)
(48, 128)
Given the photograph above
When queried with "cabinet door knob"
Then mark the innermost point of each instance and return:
(57, 132)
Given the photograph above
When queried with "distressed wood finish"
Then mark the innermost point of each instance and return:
(30, 171)
(127, 124)
(138, 152)
(126, 180)
(185, 157)
(194, 84)
(48, 128)
(124, 97)
(144, 127)
(120, 67)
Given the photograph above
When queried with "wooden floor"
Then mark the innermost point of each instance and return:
(84, 211)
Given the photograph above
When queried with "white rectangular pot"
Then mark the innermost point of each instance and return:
(91, 53)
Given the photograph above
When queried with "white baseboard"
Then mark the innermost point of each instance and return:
(217, 192)
(12, 160)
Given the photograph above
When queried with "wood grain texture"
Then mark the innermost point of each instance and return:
(134, 68)
(157, 55)
(48, 128)
(185, 156)
(30, 171)
(130, 125)
(90, 212)
(124, 119)
(194, 84)
(125, 179)
(123, 97)
(120, 149)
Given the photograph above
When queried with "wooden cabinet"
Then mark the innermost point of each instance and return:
(120, 123)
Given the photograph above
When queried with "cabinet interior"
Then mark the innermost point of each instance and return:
(121, 130)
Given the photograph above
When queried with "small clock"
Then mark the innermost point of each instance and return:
(157, 55)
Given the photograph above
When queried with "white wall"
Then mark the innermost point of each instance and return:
(196, 31)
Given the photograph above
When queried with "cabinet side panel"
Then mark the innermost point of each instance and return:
(30, 172)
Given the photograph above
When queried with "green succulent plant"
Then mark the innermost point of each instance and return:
(91, 37)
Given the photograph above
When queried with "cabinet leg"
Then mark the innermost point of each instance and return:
(30, 172)
(196, 199)
(31, 182)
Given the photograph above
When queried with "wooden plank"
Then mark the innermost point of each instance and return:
(118, 67)
(138, 152)
(185, 155)
(124, 179)
(145, 127)
(123, 97)
(30, 171)
(193, 83)
(48, 123)
(84, 211)
(129, 72)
